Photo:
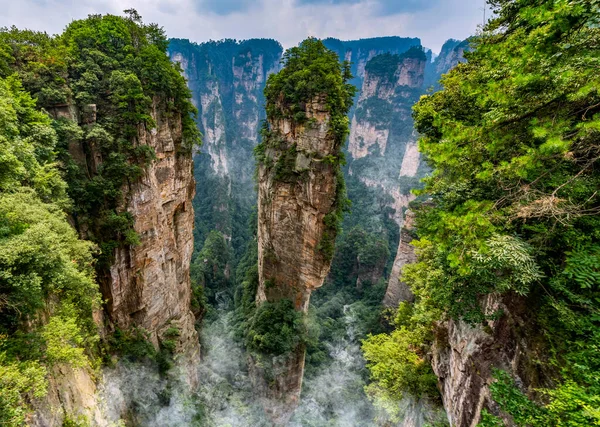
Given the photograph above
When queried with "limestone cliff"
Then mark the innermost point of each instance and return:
(451, 54)
(360, 52)
(383, 154)
(398, 291)
(227, 79)
(464, 356)
(301, 198)
(148, 284)
(292, 211)
(292, 227)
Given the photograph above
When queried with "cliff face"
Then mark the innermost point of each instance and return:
(383, 154)
(227, 79)
(291, 213)
(291, 228)
(464, 356)
(398, 291)
(149, 284)
(451, 54)
(360, 52)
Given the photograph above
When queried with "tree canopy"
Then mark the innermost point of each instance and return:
(514, 142)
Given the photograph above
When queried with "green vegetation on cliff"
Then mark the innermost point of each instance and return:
(311, 73)
(311, 70)
(101, 79)
(513, 140)
(47, 287)
(72, 112)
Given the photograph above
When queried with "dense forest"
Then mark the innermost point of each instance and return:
(509, 218)
(359, 241)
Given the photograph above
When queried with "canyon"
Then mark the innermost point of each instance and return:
(343, 233)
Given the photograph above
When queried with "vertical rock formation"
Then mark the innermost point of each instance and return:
(451, 54)
(227, 79)
(148, 285)
(360, 52)
(465, 355)
(292, 211)
(300, 201)
(383, 154)
(291, 229)
(398, 291)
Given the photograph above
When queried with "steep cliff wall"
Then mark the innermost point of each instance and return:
(300, 204)
(451, 54)
(360, 52)
(121, 142)
(227, 79)
(292, 211)
(148, 285)
(464, 357)
(383, 155)
(398, 291)
(291, 230)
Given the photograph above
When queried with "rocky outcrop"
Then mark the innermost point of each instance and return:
(292, 206)
(148, 285)
(360, 52)
(72, 392)
(382, 143)
(451, 54)
(227, 79)
(464, 357)
(398, 291)
(291, 212)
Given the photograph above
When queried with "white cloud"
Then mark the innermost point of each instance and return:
(285, 20)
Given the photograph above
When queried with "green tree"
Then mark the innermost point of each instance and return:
(514, 142)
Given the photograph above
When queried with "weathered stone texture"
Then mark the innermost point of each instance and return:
(149, 284)
(290, 228)
(398, 291)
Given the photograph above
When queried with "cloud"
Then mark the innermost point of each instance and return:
(381, 7)
(289, 21)
(223, 7)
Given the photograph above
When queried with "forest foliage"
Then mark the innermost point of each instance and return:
(94, 86)
(514, 142)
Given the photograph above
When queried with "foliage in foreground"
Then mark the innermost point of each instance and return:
(101, 80)
(514, 143)
(47, 287)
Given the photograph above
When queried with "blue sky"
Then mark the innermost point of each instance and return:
(288, 21)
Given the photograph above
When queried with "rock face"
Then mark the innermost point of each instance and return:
(398, 291)
(291, 218)
(383, 152)
(70, 391)
(148, 285)
(291, 213)
(451, 54)
(227, 79)
(464, 356)
(360, 52)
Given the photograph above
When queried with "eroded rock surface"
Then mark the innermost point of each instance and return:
(148, 285)
(291, 228)
(398, 291)
(464, 357)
